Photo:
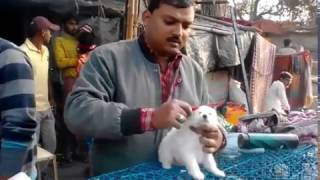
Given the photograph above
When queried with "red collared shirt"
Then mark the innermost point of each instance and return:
(168, 83)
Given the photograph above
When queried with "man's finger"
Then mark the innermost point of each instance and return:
(206, 127)
(180, 118)
(182, 112)
(208, 143)
(211, 135)
(185, 106)
(209, 150)
(176, 124)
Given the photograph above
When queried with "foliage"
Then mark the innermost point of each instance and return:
(300, 11)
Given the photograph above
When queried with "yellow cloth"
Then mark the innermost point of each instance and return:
(39, 60)
(66, 55)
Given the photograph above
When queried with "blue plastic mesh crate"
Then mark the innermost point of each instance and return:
(298, 164)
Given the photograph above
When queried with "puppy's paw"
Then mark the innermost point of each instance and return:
(166, 165)
(219, 173)
(198, 176)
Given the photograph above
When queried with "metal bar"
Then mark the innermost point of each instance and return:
(243, 68)
(211, 29)
(226, 23)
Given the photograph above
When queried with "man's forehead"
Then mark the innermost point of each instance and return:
(181, 14)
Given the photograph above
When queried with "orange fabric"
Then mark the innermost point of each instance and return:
(234, 112)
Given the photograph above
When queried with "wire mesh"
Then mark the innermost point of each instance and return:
(297, 164)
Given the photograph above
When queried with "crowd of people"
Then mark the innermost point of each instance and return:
(29, 95)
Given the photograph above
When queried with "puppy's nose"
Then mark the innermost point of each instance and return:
(204, 117)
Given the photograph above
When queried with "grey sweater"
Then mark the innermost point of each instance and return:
(105, 103)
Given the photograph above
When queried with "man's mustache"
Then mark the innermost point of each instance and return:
(174, 39)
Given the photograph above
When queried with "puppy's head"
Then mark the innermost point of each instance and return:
(204, 114)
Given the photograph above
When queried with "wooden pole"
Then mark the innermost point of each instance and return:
(136, 17)
(130, 15)
(133, 9)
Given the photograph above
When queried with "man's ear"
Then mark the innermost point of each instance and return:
(146, 16)
(42, 33)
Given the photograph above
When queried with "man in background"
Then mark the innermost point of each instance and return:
(66, 59)
(39, 35)
(287, 49)
(276, 98)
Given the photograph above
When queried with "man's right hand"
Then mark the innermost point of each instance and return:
(169, 114)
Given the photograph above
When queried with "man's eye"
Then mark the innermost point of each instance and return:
(186, 26)
(169, 22)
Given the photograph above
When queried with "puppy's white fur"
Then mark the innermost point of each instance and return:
(182, 146)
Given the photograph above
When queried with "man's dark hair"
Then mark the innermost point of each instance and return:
(70, 16)
(286, 42)
(285, 75)
(86, 38)
(32, 30)
(155, 4)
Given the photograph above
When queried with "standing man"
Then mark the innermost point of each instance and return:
(39, 34)
(65, 50)
(131, 92)
(17, 113)
(287, 49)
(276, 98)
(66, 56)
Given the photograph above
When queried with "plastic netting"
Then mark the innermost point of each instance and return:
(300, 164)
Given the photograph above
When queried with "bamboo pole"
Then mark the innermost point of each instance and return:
(130, 15)
(136, 17)
(133, 9)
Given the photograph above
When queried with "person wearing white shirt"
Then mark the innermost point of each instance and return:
(276, 97)
(287, 49)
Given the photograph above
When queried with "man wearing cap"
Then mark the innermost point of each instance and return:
(130, 93)
(38, 35)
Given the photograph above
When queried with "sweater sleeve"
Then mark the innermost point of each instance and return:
(91, 110)
(62, 60)
(17, 108)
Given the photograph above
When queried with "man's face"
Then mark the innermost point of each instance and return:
(46, 34)
(287, 82)
(71, 27)
(167, 28)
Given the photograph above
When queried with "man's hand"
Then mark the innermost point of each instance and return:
(210, 136)
(171, 114)
(3, 178)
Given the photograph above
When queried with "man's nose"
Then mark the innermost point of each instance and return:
(178, 30)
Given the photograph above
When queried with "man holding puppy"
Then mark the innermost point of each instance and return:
(131, 91)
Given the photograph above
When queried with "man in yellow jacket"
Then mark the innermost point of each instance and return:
(65, 51)
(66, 57)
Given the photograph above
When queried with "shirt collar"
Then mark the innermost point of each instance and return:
(32, 47)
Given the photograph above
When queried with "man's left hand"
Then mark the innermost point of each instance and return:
(210, 136)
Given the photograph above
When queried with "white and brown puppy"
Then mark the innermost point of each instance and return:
(182, 146)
